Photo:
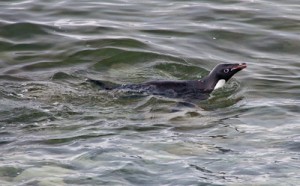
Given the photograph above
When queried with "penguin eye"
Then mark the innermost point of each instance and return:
(226, 70)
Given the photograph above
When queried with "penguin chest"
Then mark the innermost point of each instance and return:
(220, 84)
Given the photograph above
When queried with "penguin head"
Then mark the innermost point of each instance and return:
(226, 71)
(222, 73)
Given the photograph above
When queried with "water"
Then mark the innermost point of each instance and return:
(56, 129)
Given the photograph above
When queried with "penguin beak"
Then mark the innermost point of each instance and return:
(239, 66)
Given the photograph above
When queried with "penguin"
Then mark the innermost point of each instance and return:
(191, 89)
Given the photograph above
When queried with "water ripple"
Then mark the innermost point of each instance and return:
(57, 129)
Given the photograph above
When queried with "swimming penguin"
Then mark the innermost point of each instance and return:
(188, 89)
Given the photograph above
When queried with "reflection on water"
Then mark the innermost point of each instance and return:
(57, 129)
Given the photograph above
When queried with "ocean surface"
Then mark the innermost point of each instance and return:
(58, 129)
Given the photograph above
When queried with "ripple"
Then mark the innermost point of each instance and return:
(23, 31)
(58, 129)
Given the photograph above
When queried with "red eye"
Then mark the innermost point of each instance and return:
(226, 70)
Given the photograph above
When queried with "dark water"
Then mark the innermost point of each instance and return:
(56, 129)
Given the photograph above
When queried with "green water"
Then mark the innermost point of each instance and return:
(57, 129)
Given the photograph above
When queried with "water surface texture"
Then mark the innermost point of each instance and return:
(57, 129)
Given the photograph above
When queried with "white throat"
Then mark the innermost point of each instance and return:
(220, 84)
